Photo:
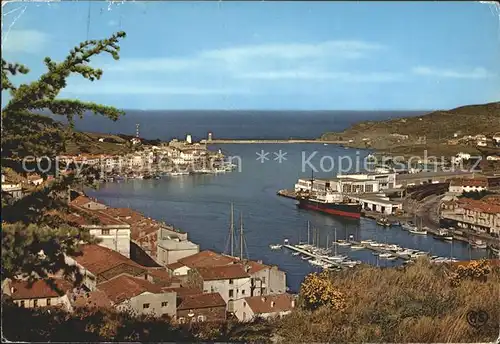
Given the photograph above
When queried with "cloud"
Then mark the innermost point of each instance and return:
(124, 89)
(341, 49)
(251, 57)
(324, 75)
(24, 41)
(476, 73)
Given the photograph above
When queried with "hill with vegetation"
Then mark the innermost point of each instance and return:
(436, 127)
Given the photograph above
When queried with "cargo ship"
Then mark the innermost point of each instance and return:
(352, 210)
(328, 202)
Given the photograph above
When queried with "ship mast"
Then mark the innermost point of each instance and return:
(241, 236)
(335, 241)
(231, 231)
(308, 232)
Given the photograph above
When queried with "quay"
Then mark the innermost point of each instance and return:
(251, 141)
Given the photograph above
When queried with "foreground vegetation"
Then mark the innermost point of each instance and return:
(419, 303)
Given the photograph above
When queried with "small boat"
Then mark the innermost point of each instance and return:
(357, 247)
(479, 244)
(494, 250)
(295, 253)
(367, 242)
(418, 231)
(376, 244)
(305, 257)
(443, 234)
(384, 222)
(325, 144)
(342, 243)
(275, 247)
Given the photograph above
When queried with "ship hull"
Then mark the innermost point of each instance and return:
(345, 210)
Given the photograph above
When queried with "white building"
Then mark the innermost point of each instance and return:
(139, 296)
(271, 306)
(173, 246)
(459, 186)
(460, 157)
(232, 282)
(189, 139)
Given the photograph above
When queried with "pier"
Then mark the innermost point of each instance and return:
(379, 250)
(312, 255)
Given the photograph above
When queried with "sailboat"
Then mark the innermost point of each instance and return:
(410, 224)
(417, 230)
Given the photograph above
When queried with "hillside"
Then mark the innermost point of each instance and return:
(437, 127)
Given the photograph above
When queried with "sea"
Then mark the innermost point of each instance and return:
(200, 204)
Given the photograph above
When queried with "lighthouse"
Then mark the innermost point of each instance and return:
(189, 139)
(209, 136)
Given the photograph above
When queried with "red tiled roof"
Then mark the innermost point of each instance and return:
(98, 259)
(39, 289)
(469, 182)
(233, 271)
(183, 291)
(80, 201)
(93, 299)
(207, 259)
(270, 303)
(125, 287)
(201, 301)
(101, 217)
(175, 266)
(255, 266)
(125, 214)
(480, 206)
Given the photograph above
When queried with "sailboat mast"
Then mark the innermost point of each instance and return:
(335, 241)
(327, 239)
(232, 230)
(308, 232)
(241, 236)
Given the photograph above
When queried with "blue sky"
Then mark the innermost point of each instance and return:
(270, 55)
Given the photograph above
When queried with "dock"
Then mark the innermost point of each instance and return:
(312, 255)
(378, 249)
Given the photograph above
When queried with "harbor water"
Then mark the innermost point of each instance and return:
(200, 205)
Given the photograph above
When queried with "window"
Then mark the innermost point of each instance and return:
(22, 304)
(244, 304)
(231, 281)
(164, 304)
(145, 306)
(48, 302)
(263, 280)
(35, 303)
(243, 292)
(105, 232)
(231, 292)
(201, 318)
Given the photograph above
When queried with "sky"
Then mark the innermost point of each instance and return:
(268, 55)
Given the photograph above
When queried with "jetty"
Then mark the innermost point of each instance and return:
(252, 141)
(379, 249)
(310, 254)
